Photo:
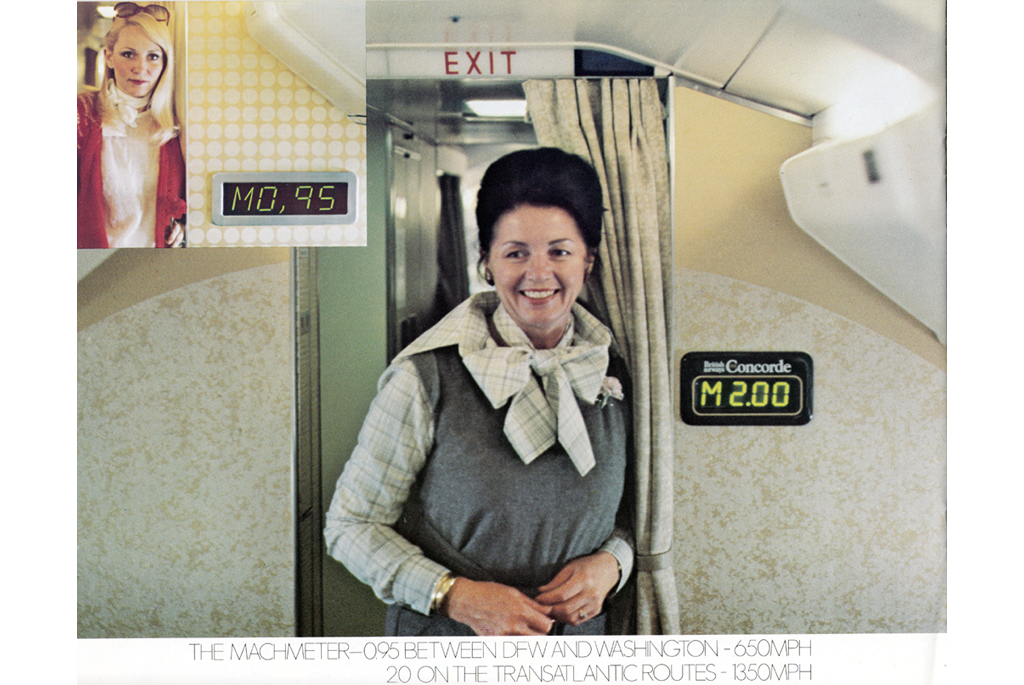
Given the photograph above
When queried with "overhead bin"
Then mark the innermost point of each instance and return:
(877, 202)
(323, 42)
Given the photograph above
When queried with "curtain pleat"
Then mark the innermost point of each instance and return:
(618, 125)
(452, 270)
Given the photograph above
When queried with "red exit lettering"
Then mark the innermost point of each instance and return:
(478, 62)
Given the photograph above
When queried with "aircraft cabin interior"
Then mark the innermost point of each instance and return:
(221, 387)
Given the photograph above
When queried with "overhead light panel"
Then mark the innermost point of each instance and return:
(498, 109)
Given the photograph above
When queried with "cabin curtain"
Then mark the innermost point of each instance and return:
(618, 125)
(452, 270)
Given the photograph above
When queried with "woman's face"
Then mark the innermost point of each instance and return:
(539, 261)
(136, 60)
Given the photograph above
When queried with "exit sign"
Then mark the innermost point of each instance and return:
(469, 61)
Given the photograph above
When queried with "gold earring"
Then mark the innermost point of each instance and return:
(488, 277)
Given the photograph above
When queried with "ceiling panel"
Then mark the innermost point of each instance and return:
(796, 55)
(802, 68)
(707, 39)
(723, 40)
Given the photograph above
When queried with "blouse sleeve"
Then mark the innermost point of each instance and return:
(620, 546)
(372, 490)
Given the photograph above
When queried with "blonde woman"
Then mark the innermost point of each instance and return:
(131, 173)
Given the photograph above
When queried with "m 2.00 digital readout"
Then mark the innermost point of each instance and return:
(746, 388)
(748, 394)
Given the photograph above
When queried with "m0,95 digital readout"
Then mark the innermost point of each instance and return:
(284, 197)
(248, 199)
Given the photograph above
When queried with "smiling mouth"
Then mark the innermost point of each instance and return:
(538, 294)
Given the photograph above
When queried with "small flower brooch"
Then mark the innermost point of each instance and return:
(611, 389)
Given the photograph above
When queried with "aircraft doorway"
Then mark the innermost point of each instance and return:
(434, 150)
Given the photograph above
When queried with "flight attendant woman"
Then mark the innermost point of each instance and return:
(131, 173)
(487, 494)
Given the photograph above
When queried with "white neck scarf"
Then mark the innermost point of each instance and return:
(126, 106)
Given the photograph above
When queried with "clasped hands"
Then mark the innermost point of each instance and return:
(574, 595)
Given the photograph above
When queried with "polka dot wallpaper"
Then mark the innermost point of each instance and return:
(246, 111)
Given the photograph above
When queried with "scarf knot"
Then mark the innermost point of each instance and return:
(538, 417)
(540, 386)
(128, 107)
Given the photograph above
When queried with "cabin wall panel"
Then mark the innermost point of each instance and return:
(833, 527)
(185, 523)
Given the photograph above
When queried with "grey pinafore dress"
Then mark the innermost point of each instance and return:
(477, 509)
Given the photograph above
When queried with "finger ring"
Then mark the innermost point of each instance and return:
(582, 614)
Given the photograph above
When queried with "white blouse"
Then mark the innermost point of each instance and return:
(131, 166)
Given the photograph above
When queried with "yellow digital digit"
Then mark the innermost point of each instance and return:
(238, 196)
(760, 394)
(329, 197)
(716, 390)
(738, 393)
(307, 197)
(780, 394)
(273, 196)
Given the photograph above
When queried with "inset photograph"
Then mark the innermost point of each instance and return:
(269, 94)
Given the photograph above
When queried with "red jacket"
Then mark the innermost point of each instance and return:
(92, 225)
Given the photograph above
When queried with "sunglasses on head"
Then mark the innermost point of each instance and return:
(130, 9)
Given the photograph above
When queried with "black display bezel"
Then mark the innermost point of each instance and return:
(769, 368)
(224, 181)
(291, 202)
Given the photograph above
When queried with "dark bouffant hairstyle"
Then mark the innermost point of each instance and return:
(541, 177)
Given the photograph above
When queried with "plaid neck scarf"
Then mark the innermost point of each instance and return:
(540, 383)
